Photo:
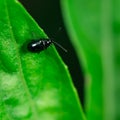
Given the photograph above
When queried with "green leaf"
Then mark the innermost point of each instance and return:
(33, 86)
(94, 29)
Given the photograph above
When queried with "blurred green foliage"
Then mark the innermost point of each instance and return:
(94, 29)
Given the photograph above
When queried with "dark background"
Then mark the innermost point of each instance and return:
(48, 15)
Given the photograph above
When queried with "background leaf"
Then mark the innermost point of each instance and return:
(32, 86)
(94, 28)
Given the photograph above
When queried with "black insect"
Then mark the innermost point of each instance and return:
(37, 46)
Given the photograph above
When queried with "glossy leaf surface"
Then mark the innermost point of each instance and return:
(33, 86)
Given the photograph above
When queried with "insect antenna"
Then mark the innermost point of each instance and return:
(60, 46)
(57, 44)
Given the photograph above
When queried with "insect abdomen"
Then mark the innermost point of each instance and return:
(37, 46)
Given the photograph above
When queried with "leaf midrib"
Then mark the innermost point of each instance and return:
(36, 116)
